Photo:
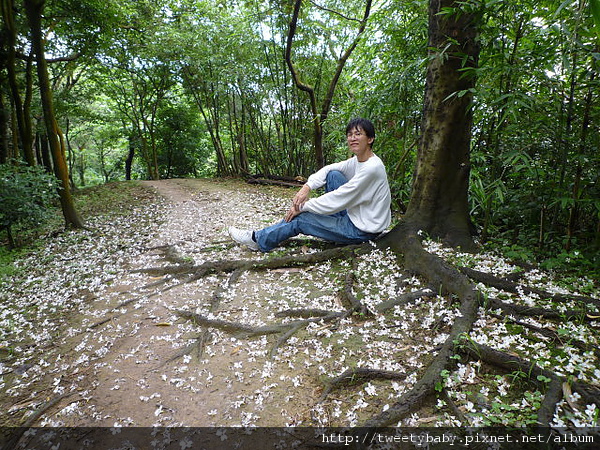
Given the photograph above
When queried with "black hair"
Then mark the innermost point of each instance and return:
(365, 124)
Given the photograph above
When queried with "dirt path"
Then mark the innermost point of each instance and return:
(132, 361)
(125, 358)
(150, 367)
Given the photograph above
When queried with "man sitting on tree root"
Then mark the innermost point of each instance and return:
(355, 207)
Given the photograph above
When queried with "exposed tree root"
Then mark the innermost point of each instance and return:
(12, 440)
(510, 286)
(551, 334)
(305, 313)
(359, 375)
(503, 360)
(238, 330)
(286, 329)
(271, 180)
(442, 278)
(453, 407)
(206, 334)
(403, 299)
(285, 336)
(235, 274)
(425, 386)
(450, 280)
(196, 272)
(347, 297)
(118, 307)
(553, 396)
(242, 331)
(265, 182)
(533, 311)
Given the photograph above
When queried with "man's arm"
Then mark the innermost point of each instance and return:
(298, 202)
(317, 180)
(301, 197)
(358, 189)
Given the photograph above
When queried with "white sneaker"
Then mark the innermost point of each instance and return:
(243, 237)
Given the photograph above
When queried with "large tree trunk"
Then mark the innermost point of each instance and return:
(439, 199)
(34, 10)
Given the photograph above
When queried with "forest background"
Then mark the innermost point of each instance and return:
(149, 90)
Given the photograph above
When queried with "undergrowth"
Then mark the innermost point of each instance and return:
(112, 199)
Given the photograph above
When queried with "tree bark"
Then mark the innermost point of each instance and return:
(42, 142)
(439, 200)
(21, 106)
(34, 10)
(130, 156)
(4, 123)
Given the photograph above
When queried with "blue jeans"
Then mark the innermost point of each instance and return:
(336, 228)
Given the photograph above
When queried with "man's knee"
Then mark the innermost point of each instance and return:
(335, 179)
(335, 175)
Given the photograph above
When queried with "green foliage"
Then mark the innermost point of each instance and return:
(7, 268)
(444, 375)
(535, 161)
(183, 149)
(595, 8)
(25, 196)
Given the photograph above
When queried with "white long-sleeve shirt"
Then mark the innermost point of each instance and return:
(366, 196)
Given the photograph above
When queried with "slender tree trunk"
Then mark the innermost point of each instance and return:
(318, 149)
(80, 164)
(129, 160)
(439, 202)
(144, 150)
(42, 140)
(27, 116)
(244, 165)
(576, 192)
(206, 97)
(20, 106)
(153, 156)
(11, 240)
(238, 129)
(34, 10)
(4, 123)
(150, 128)
(498, 122)
(14, 132)
(71, 156)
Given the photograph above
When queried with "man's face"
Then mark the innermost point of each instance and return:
(358, 141)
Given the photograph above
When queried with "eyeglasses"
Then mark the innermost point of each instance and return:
(356, 134)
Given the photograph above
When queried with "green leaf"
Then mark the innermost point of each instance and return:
(595, 8)
(544, 379)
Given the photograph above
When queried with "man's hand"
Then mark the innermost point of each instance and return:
(297, 203)
(301, 197)
(292, 212)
